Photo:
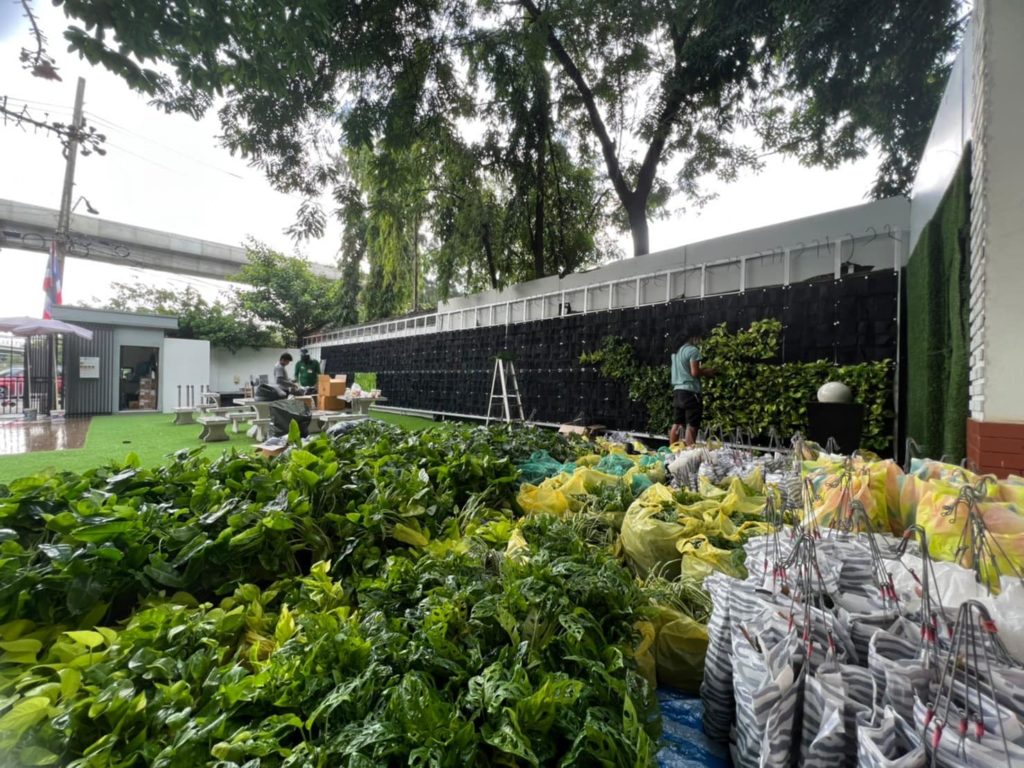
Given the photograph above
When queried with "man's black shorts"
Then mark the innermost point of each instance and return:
(688, 408)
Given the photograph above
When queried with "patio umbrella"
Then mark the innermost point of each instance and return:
(32, 326)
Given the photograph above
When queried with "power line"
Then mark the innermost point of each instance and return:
(42, 104)
(193, 158)
(116, 127)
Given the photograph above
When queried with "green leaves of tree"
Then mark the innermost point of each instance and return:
(217, 322)
(284, 293)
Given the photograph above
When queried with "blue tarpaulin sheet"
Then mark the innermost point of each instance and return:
(683, 739)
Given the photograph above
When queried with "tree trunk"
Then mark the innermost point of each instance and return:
(416, 263)
(489, 254)
(537, 244)
(636, 209)
(541, 110)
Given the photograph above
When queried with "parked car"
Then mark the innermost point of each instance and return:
(12, 381)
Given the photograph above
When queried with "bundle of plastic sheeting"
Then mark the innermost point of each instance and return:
(684, 468)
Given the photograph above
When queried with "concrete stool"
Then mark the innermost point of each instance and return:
(261, 429)
(184, 415)
(213, 429)
(237, 418)
(330, 418)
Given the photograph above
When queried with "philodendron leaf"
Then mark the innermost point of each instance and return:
(19, 718)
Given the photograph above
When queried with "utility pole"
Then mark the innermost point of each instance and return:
(64, 217)
(60, 239)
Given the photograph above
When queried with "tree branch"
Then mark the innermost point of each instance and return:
(672, 102)
(589, 101)
(40, 63)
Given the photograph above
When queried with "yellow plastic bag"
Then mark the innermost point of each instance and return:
(944, 517)
(650, 542)
(701, 557)
(585, 480)
(646, 662)
(865, 483)
(740, 497)
(546, 497)
(679, 650)
(517, 549)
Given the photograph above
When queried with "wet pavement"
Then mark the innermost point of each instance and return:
(18, 436)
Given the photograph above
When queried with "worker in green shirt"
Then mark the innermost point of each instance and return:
(687, 371)
(307, 370)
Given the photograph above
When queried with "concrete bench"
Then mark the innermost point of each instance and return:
(237, 417)
(184, 415)
(326, 419)
(223, 410)
(213, 429)
(260, 429)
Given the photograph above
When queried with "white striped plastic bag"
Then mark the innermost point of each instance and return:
(767, 694)
(899, 673)
(734, 602)
(951, 745)
(835, 698)
(890, 742)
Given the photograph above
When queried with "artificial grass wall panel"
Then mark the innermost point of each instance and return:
(938, 332)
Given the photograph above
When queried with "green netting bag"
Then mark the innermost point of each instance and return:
(615, 463)
(541, 466)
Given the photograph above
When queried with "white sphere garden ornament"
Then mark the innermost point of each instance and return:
(835, 392)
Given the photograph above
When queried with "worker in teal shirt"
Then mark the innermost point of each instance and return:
(687, 371)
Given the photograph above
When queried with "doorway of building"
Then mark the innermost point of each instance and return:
(138, 379)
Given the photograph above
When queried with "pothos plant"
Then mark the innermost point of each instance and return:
(751, 391)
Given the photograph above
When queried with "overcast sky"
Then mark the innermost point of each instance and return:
(168, 172)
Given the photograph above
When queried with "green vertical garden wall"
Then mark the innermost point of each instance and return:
(938, 327)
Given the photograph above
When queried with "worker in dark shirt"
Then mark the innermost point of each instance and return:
(307, 370)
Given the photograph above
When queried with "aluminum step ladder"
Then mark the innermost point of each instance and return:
(509, 399)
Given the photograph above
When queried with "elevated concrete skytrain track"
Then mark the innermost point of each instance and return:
(32, 227)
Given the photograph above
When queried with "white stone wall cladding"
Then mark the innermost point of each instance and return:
(979, 209)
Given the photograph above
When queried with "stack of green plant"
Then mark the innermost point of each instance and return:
(351, 604)
(751, 391)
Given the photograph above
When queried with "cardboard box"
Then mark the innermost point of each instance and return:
(579, 429)
(331, 403)
(331, 387)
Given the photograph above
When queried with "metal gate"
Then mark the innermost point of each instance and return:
(27, 372)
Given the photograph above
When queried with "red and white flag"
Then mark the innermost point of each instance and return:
(52, 283)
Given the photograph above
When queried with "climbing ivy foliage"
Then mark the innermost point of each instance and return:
(752, 391)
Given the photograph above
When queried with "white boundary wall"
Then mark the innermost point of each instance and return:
(997, 213)
(873, 235)
(230, 371)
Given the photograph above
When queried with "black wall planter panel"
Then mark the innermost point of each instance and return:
(851, 320)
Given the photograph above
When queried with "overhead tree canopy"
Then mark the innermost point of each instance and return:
(645, 98)
(285, 294)
(217, 321)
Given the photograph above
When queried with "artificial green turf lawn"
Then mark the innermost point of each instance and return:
(152, 436)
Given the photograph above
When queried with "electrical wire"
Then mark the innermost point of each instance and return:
(114, 126)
